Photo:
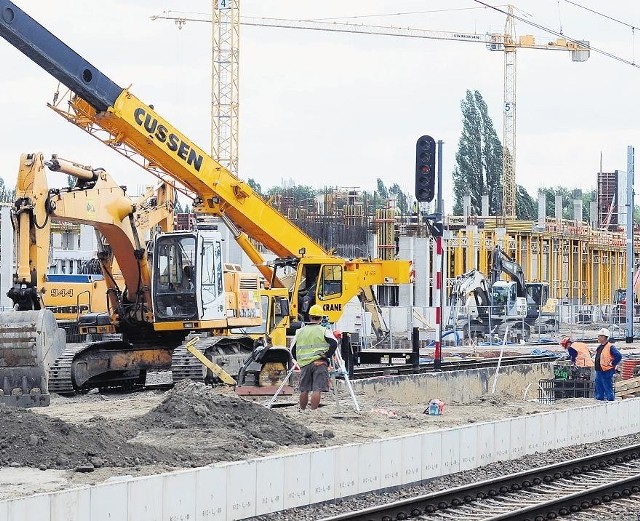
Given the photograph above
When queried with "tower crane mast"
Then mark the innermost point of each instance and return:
(225, 82)
(507, 42)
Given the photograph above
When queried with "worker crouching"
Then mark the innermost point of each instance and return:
(312, 347)
(578, 352)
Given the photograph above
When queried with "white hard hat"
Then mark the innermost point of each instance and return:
(604, 332)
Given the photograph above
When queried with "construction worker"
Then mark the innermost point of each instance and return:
(578, 352)
(312, 347)
(607, 357)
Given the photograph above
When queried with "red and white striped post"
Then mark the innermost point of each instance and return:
(437, 354)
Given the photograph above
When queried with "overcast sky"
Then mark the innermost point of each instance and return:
(343, 109)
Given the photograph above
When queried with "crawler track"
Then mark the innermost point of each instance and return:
(60, 380)
(582, 486)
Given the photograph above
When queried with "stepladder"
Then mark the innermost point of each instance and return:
(338, 373)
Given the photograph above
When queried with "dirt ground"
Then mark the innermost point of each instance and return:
(96, 437)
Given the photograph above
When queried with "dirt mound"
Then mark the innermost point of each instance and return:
(233, 427)
(33, 440)
(220, 427)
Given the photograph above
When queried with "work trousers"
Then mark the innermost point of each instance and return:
(604, 385)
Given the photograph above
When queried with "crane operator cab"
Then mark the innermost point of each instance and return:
(188, 276)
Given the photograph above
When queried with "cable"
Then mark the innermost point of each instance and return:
(633, 27)
(556, 33)
(559, 17)
(393, 14)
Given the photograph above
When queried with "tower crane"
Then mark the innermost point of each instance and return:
(225, 77)
(507, 42)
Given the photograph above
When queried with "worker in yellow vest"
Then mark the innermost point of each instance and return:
(312, 347)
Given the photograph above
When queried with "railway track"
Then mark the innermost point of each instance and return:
(584, 487)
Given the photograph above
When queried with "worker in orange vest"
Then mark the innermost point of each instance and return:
(578, 352)
(607, 357)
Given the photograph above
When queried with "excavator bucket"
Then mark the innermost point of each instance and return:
(30, 341)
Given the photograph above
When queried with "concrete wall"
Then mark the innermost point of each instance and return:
(230, 491)
(450, 387)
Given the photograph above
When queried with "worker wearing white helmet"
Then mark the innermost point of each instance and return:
(606, 360)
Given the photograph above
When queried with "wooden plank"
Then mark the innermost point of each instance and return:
(626, 384)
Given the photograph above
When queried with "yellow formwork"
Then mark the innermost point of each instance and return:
(580, 264)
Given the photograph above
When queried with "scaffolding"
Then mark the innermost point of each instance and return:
(581, 265)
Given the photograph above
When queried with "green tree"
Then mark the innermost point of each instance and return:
(381, 190)
(255, 186)
(402, 200)
(478, 159)
(526, 207)
(302, 196)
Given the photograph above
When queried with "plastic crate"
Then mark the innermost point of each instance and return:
(551, 390)
(561, 372)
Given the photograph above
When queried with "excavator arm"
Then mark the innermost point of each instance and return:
(95, 200)
(502, 263)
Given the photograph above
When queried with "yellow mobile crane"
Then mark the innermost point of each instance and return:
(114, 115)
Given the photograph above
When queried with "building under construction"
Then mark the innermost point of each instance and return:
(583, 262)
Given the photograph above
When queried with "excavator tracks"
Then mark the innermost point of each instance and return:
(60, 380)
(185, 366)
(228, 352)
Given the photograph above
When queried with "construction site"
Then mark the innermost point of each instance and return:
(146, 354)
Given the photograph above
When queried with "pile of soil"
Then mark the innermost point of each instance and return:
(223, 428)
(28, 439)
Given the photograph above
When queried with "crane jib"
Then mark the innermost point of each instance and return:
(172, 141)
(56, 57)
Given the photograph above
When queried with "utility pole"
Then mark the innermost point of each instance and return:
(630, 258)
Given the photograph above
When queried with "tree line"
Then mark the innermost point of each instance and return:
(477, 172)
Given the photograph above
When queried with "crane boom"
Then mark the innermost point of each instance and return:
(126, 124)
(140, 128)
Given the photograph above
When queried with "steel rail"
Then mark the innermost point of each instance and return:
(543, 493)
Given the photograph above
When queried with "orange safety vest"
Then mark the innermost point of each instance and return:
(583, 358)
(606, 358)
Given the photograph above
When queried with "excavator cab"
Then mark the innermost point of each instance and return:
(174, 280)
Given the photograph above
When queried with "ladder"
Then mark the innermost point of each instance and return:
(338, 370)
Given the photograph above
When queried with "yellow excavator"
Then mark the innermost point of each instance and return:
(155, 285)
(70, 296)
(114, 115)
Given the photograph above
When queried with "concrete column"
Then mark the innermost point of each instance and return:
(6, 255)
(485, 204)
(406, 251)
(593, 214)
(466, 205)
(422, 264)
(542, 208)
(558, 208)
(577, 206)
